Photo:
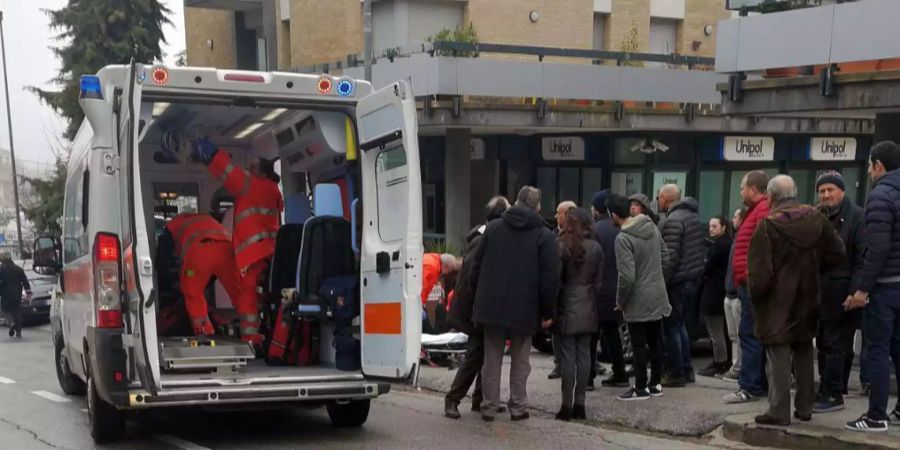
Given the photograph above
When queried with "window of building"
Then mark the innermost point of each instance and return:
(711, 194)
(627, 182)
(663, 38)
(600, 31)
(591, 182)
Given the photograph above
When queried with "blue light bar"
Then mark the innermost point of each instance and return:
(345, 88)
(90, 87)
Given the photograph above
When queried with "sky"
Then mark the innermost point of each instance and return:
(31, 62)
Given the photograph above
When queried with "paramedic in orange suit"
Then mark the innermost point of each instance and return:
(257, 215)
(204, 248)
(433, 266)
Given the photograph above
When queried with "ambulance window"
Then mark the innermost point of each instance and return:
(74, 237)
(391, 177)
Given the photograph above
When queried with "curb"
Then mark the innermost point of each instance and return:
(742, 428)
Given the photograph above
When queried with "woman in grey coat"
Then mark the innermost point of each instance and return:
(641, 258)
(577, 309)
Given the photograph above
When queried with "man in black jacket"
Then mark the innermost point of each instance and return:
(12, 282)
(516, 275)
(683, 234)
(878, 287)
(605, 232)
(460, 318)
(838, 327)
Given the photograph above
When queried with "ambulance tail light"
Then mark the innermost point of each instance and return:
(107, 277)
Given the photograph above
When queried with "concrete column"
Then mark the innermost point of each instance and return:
(458, 186)
(270, 32)
(887, 127)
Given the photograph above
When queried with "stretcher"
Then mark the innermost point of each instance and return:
(449, 348)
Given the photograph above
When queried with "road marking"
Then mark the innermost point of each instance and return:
(180, 443)
(4, 380)
(51, 396)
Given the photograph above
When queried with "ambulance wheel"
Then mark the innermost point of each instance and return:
(107, 422)
(68, 381)
(352, 414)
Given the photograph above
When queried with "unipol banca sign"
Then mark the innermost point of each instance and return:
(832, 149)
(570, 148)
(748, 148)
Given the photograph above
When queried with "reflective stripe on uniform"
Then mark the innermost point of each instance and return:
(254, 239)
(253, 318)
(225, 172)
(253, 211)
(246, 187)
(249, 330)
(188, 222)
(199, 234)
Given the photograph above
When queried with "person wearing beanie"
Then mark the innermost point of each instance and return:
(605, 232)
(838, 327)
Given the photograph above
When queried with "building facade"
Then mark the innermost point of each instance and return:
(569, 125)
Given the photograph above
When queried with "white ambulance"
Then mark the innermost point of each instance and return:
(347, 154)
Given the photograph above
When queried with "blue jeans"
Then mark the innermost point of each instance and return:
(753, 366)
(678, 344)
(882, 328)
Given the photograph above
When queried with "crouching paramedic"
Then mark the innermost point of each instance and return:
(205, 251)
(257, 216)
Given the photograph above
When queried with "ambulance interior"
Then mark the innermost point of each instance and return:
(310, 148)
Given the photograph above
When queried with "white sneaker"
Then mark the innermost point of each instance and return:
(740, 396)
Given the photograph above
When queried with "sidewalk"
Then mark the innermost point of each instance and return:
(693, 411)
(824, 432)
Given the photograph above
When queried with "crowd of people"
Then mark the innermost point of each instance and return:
(768, 283)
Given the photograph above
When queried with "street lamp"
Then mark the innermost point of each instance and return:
(12, 151)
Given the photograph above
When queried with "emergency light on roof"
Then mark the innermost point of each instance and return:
(345, 88)
(324, 85)
(90, 87)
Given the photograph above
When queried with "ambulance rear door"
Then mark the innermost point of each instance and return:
(137, 266)
(391, 256)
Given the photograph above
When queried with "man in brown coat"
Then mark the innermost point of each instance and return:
(788, 250)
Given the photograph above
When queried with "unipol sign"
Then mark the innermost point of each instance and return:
(832, 149)
(567, 148)
(748, 148)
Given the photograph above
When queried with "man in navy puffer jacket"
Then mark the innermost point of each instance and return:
(878, 283)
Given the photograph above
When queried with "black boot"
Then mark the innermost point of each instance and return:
(564, 414)
(578, 412)
(451, 409)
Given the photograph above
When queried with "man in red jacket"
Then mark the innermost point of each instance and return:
(257, 215)
(752, 379)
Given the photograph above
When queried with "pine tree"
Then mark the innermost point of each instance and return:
(96, 33)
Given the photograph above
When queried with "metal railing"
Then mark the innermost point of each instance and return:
(474, 50)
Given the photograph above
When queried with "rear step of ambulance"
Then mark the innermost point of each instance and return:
(202, 354)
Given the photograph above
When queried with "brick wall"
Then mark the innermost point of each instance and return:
(626, 14)
(507, 22)
(698, 14)
(325, 31)
(202, 25)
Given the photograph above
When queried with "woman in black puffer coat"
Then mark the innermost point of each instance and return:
(577, 310)
(713, 297)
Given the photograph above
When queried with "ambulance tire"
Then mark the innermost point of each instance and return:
(68, 381)
(348, 415)
(107, 423)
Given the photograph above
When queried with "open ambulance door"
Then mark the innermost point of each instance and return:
(137, 267)
(391, 256)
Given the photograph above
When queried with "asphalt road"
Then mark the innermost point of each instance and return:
(35, 414)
